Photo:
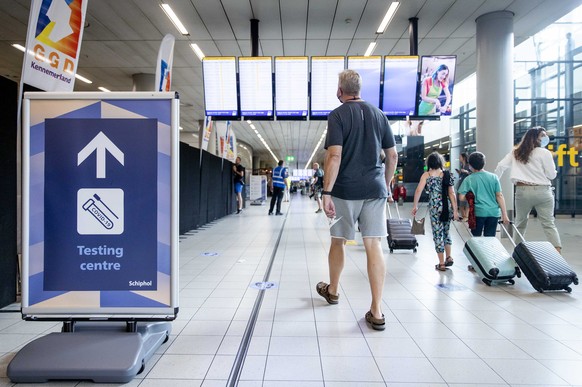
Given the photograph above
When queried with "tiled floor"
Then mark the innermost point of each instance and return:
(443, 328)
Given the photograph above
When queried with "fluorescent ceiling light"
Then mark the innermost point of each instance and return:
(388, 17)
(172, 16)
(104, 89)
(19, 47)
(197, 51)
(82, 78)
(370, 49)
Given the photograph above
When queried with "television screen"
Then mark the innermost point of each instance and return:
(324, 78)
(369, 68)
(256, 86)
(291, 87)
(219, 76)
(400, 78)
(437, 78)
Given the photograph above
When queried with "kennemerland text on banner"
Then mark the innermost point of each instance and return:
(53, 42)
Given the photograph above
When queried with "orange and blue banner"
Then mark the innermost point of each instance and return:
(53, 43)
(164, 63)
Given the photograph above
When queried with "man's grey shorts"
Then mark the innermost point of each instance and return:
(369, 213)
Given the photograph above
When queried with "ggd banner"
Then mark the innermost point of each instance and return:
(53, 43)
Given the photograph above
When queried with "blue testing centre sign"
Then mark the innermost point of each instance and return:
(100, 204)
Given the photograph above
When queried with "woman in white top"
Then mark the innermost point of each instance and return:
(532, 169)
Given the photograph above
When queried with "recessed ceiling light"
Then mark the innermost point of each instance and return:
(82, 78)
(370, 49)
(174, 18)
(197, 51)
(388, 17)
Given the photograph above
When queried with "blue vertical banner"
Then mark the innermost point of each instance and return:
(100, 204)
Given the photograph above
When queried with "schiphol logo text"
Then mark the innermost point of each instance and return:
(139, 284)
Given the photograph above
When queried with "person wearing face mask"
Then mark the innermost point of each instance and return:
(532, 171)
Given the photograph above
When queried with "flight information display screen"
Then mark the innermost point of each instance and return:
(370, 69)
(324, 79)
(291, 87)
(219, 75)
(400, 79)
(256, 86)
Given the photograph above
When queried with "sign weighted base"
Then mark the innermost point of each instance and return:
(105, 354)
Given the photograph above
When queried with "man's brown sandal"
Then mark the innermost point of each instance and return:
(440, 267)
(449, 261)
(378, 324)
(323, 290)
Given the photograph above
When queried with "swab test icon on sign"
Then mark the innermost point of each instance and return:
(100, 211)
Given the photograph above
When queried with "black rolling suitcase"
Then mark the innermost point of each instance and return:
(543, 266)
(399, 235)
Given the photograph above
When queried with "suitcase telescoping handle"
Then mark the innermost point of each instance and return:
(395, 206)
(514, 227)
(460, 233)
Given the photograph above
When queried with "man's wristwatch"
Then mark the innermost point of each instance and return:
(326, 192)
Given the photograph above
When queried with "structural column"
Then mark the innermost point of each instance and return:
(143, 82)
(494, 133)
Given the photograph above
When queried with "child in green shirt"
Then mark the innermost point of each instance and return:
(489, 201)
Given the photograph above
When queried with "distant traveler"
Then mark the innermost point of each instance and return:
(238, 172)
(278, 184)
(317, 185)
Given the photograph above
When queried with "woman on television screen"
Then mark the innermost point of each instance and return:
(431, 89)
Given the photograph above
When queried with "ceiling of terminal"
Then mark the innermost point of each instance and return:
(122, 38)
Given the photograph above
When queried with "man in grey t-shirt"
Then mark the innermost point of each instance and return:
(356, 187)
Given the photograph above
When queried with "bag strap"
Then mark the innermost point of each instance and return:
(418, 210)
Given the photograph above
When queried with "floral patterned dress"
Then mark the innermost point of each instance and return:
(440, 230)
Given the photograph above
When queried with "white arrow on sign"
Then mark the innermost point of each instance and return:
(100, 144)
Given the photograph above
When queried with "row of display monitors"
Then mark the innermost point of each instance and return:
(296, 90)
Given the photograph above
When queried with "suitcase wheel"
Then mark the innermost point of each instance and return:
(494, 272)
(471, 268)
(414, 250)
(391, 251)
(568, 289)
(540, 290)
(575, 281)
(486, 281)
(518, 272)
(511, 282)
